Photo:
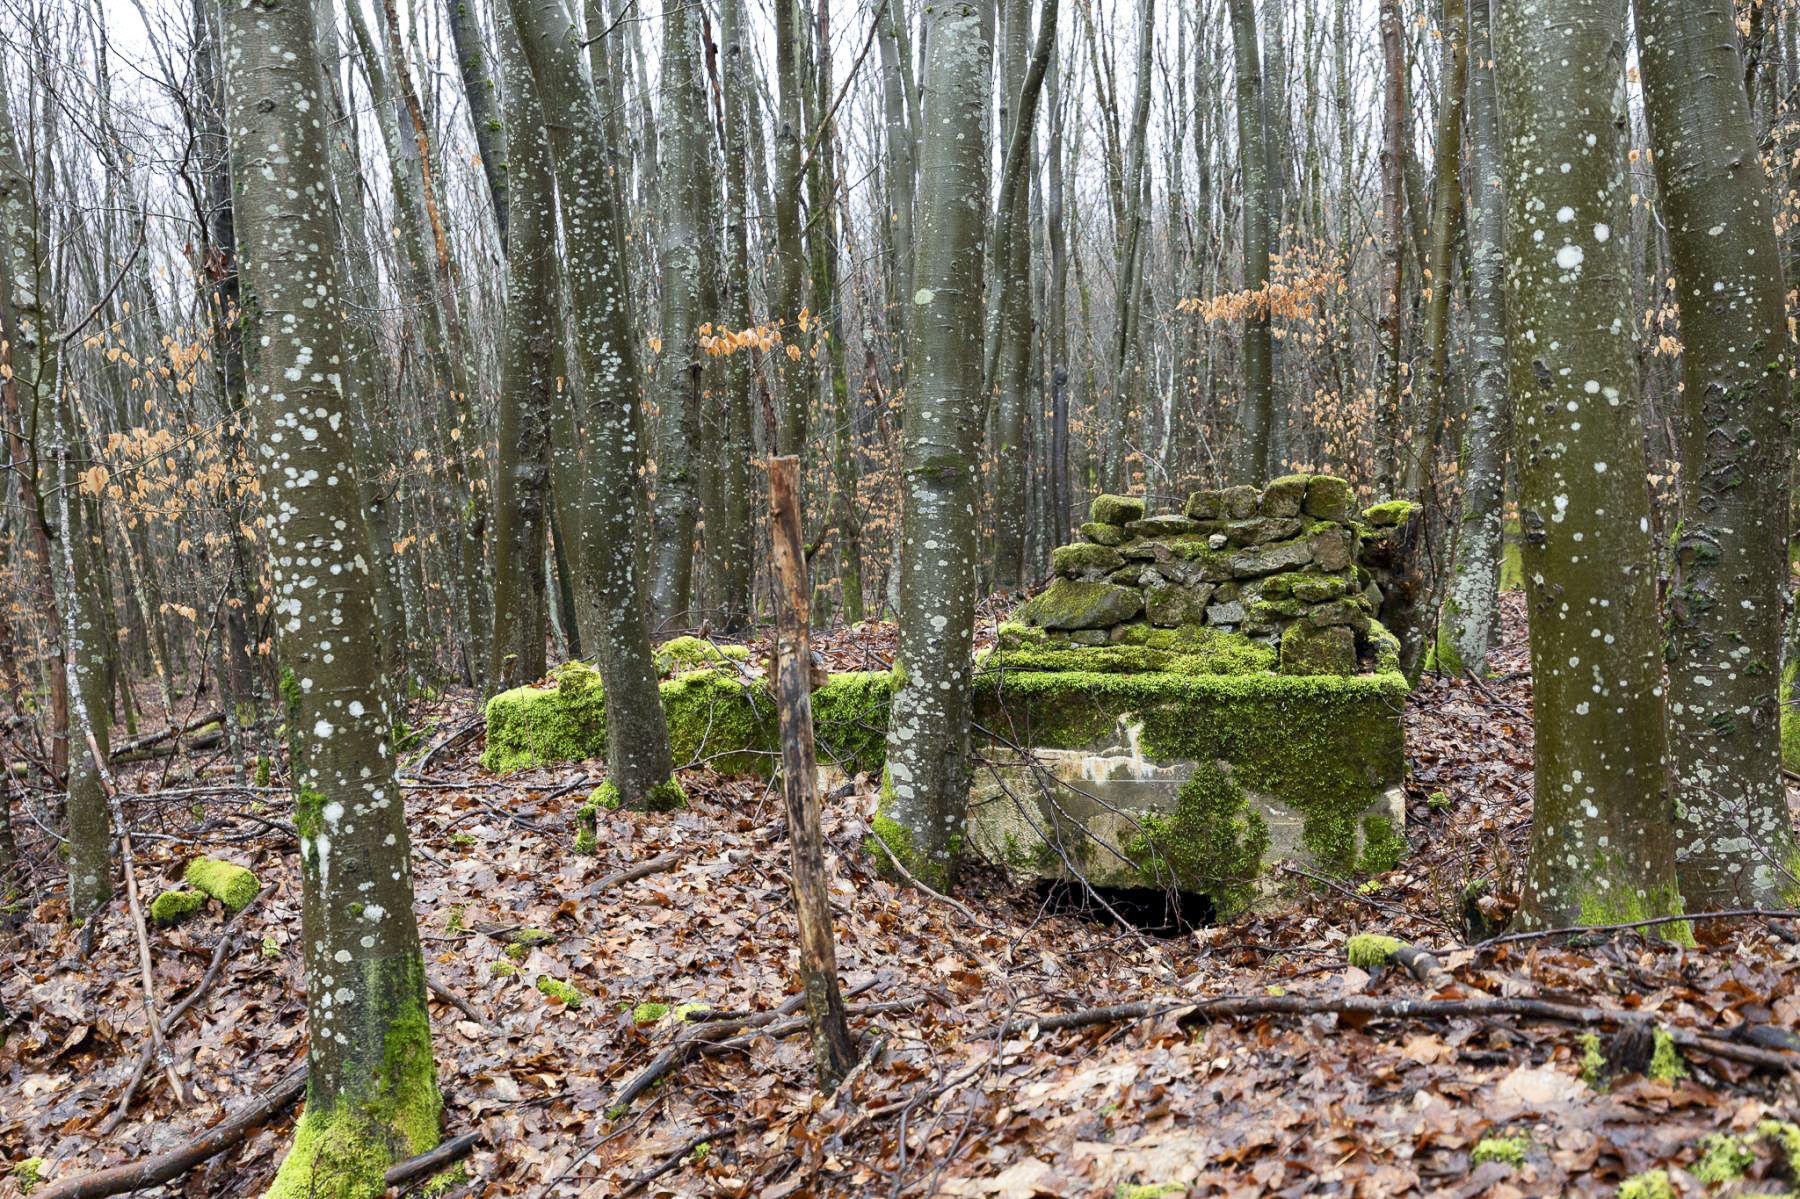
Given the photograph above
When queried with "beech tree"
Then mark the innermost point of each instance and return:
(925, 794)
(372, 1095)
(1602, 848)
(1734, 837)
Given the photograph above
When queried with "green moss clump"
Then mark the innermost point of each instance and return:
(1382, 848)
(264, 768)
(1652, 1184)
(1665, 1060)
(502, 970)
(1013, 635)
(1372, 951)
(1510, 1148)
(850, 720)
(27, 1172)
(1390, 514)
(1622, 904)
(1213, 842)
(521, 941)
(587, 823)
(1149, 1190)
(1786, 1134)
(1068, 604)
(227, 882)
(1189, 650)
(666, 796)
(1723, 1159)
(175, 905)
(691, 653)
(560, 991)
(649, 1012)
(1307, 649)
(1329, 498)
(1115, 509)
(1594, 1066)
(1101, 534)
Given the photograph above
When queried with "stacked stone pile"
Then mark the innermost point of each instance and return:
(1281, 564)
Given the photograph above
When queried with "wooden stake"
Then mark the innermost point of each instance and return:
(833, 1053)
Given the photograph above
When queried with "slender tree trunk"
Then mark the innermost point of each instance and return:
(522, 506)
(1602, 847)
(926, 794)
(484, 112)
(1393, 247)
(688, 145)
(789, 282)
(1735, 842)
(1471, 609)
(606, 336)
(1254, 461)
(739, 534)
(372, 1094)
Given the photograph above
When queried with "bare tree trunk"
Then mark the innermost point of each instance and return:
(739, 534)
(1393, 248)
(1602, 846)
(926, 793)
(1253, 462)
(637, 734)
(833, 1052)
(372, 1095)
(1735, 842)
(1471, 614)
(472, 63)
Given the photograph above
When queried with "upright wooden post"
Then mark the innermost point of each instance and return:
(832, 1051)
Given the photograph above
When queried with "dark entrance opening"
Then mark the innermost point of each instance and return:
(1154, 912)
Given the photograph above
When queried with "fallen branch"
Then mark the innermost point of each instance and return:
(631, 874)
(456, 1001)
(471, 725)
(149, 739)
(432, 1161)
(1577, 929)
(722, 1133)
(153, 1171)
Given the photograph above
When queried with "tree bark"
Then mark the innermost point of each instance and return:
(1393, 246)
(1735, 843)
(372, 1095)
(605, 335)
(1253, 463)
(485, 114)
(1602, 849)
(926, 793)
(739, 534)
(1471, 616)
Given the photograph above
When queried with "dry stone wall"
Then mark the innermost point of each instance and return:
(1294, 565)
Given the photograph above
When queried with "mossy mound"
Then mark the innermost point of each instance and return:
(560, 991)
(175, 905)
(691, 653)
(227, 882)
(1372, 951)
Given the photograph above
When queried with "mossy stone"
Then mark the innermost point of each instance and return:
(1307, 649)
(1261, 530)
(1115, 509)
(1316, 589)
(1013, 635)
(227, 882)
(1067, 604)
(1284, 496)
(1240, 502)
(1127, 575)
(1269, 559)
(1103, 534)
(1204, 505)
(1085, 560)
(175, 905)
(1389, 514)
(1165, 525)
(1167, 606)
(1329, 498)
(1331, 547)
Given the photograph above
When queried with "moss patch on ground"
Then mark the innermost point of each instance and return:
(560, 991)
(1371, 951)
(174, 906)
(1510, 1148)
(227, 882)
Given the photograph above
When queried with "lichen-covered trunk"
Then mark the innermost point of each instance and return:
(372, 1093)
(787, 284)
(688, 147)
(1390, 321)
(605, 337)
(1471, 615)
(738, 537)
(926, 793)
(485, 115)
(1735, 838)
(1252, 460)
(1602, 848)
(85, 641)
(533, 324)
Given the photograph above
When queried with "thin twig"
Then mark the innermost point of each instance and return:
(908, 876)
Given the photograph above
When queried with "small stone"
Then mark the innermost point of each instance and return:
(1067, 604)
(1128, 575)
(1198, 596)
(1116, 509)
(1089, 637)
(1329, 498)
(1013, 635)
(1239, 503)
(1204, 505)
(1217, 541)
(1166, 525)
(1101, 534)
(1226, 613)
(1330, 548)
(1316, 589)
(1166, 606)
(1153, 550)
(1307, 649)
(1269, 559)
(1261, 530)
(1284, 496)
(1085, 560)
(1347, 612)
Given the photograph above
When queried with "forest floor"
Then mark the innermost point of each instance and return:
(976, 1091)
